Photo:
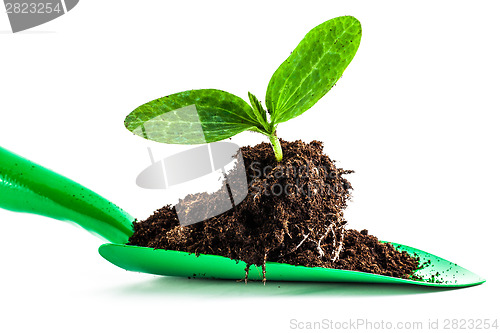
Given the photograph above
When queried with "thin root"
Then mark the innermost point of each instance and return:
(339, 248)
(264, 268)
(301, 242)
(320, 250)
(247, 268)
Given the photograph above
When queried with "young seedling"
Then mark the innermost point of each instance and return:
(310, 71)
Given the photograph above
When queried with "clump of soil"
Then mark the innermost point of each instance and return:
(364, 253)
(293, 214)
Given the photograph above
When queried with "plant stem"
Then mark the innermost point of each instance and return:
(275, 142)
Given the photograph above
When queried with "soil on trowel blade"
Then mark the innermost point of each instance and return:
(293, 214)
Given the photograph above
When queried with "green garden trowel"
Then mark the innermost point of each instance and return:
(31, 188)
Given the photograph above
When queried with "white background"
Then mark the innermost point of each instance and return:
(416, 115)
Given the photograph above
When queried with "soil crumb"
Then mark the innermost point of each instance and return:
(293, 214)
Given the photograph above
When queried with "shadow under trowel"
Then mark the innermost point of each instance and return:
(161, 286)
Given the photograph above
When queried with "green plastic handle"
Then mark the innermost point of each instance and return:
(30, 188)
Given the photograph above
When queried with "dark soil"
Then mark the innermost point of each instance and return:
(293, 214)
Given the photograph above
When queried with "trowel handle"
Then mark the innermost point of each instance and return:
(30, 188)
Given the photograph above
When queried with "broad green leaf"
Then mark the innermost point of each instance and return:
(313, 68)
(192, 117)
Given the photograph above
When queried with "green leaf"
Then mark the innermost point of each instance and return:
(192, 117)
(259, 111)
(313, 68)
